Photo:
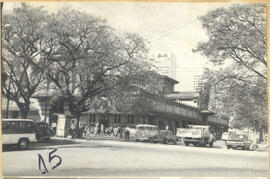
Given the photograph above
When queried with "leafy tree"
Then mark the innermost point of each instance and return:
(90, 59)
(24, 43)
(237, 33)
(237, 45)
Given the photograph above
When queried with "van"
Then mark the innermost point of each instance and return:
(145, 131)
(18, 131)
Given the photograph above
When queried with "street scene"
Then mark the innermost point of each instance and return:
(119, 89)
(130, 159)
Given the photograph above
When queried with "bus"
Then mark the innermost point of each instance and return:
(18, 131)
(145, 131)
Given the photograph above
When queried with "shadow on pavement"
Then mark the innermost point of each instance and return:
(41, 144)
(57, 143)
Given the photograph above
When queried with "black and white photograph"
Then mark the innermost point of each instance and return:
(134, 89)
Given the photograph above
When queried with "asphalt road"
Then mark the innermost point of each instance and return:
(118, 158)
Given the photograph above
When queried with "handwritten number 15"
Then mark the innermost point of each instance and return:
(40, 160)
(51, 157)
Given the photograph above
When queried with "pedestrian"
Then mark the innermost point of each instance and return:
(99, 129)
(73, 129)
(88, 131)
(127, 134)
(102, 129)
(112, 131)
(118, 131)
(96, 128)
(121, 132)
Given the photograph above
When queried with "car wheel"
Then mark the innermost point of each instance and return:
(186, 143)
(228, 147)
(23, 144)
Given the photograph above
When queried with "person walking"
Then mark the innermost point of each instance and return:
(88, 132)
(101, 129)
(127, 134)
(112, 131)
(118, 131)
(73, 129)
(121, 132)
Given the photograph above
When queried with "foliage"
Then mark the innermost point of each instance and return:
(80, 56)
(91, 61)
(24, 41)
(237, 45)
(239, 34)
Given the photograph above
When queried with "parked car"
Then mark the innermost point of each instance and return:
(164, 136)
(238, 140)
(43, 131)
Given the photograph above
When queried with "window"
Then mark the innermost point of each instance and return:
(94, 117)
(24, 127)
(132, 119)
(4, 126)
(115, 118)
(10, 127)
(119, 118)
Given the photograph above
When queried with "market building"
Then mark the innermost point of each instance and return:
(167, 112)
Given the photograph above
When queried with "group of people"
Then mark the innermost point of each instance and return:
(99, 129)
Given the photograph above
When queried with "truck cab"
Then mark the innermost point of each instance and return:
(196, 135)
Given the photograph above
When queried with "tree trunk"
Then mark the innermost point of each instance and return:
(78, 126)
(24, 109)
(261, 134)
(24, 114)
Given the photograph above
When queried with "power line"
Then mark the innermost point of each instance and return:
(175, 30)
(160, 29)
(164, 29)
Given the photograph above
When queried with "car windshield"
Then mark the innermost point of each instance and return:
(241, 137)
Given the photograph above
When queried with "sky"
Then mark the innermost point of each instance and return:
(167, 27)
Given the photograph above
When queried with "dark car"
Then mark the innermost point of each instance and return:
(43, 131)
(164, 136)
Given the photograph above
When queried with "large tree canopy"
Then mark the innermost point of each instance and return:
(80, 56)
(24, 42)
(237, 33)
(237, 47)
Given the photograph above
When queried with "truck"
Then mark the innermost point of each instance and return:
(198, 135)
(238, 139)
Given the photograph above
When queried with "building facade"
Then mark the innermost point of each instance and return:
(161, 111)
(12, 111)
(165, 64)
